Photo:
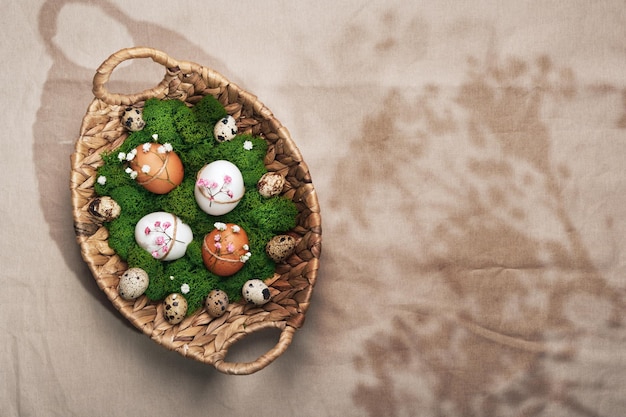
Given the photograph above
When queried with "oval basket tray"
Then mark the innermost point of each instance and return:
(198, 336)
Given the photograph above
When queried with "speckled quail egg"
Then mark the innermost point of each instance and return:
(174, 308)
(280, 247)
(104, 208)
(216, 303)
(270, 184)
(133, 283)
(132, 119)
(256, 291)
(225, 129)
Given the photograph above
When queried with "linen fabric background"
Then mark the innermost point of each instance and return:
(469, 162)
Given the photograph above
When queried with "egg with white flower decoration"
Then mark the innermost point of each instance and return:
(163, 235)
(225, 249)
(156, 167)
(219, 187)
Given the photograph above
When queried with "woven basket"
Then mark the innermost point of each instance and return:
(198, 336)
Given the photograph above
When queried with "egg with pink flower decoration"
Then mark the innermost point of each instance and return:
(163, 235)
(219, 187)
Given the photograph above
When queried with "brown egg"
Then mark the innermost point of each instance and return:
(158, 168)
(225, 249)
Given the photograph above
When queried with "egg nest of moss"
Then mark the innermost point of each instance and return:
(189, 130)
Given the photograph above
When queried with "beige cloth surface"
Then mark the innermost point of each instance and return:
(469, 162)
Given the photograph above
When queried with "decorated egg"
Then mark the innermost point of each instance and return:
(156, 167)
(174, 308)
(132, 119)
(216, 303)
(256, 292)
(104, 208)
(225, 249)
(133, 283)
(219, 187)
(163, 235)
(280, 247)
(225, 129)
(270, 184)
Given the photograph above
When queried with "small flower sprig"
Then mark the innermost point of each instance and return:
(130, 155)
(162, 240)
(184, 288)
(212, 188)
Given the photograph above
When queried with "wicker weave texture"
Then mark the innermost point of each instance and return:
(198, 336)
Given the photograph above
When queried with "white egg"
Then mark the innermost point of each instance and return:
(164, 235)
(219, 187)
(225, 129)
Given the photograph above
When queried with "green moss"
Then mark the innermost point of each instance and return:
(194, 252)
(134, 200)
(249, 162)
(276, 214)
(160, 120)
(209, 110)
(122, 235)
(194, 159)
(140, 258)
(189, 131)
(177, 202)
(133, 140)
(193, 131)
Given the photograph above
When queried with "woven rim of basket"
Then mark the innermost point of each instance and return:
(198, 336)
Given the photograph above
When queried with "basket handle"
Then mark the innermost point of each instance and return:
(103, 74)
(246, 368)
